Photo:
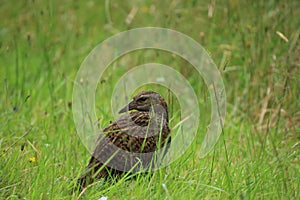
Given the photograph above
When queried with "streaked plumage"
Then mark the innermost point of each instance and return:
(131, 139)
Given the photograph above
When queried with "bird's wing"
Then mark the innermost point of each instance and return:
(129, 140)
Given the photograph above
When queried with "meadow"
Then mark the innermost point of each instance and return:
(255, 45)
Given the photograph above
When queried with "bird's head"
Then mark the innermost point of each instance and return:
(146, 101)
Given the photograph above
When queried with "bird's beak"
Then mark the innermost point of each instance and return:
(128, 107)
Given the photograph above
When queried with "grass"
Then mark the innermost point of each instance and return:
(255, 45)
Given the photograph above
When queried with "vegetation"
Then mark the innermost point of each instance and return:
(255, 44)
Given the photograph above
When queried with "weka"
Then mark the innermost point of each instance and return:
(129, 143)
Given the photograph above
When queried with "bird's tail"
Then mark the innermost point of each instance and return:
(93, 171)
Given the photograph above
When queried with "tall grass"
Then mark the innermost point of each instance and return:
(256, 46)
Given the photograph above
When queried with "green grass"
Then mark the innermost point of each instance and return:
(42, 45)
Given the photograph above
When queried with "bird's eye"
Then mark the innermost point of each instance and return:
(142, 99)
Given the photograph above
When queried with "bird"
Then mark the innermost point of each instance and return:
(130, 142)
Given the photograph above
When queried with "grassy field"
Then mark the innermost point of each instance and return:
(255, 44)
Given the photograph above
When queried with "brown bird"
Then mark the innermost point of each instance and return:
(130, 143)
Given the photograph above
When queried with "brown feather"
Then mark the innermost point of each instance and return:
(130, 141)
